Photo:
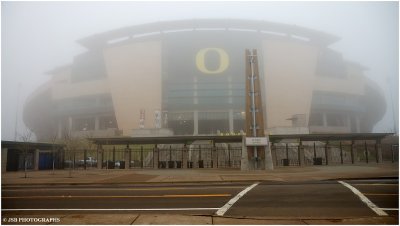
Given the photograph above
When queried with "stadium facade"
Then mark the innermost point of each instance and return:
(187, 78)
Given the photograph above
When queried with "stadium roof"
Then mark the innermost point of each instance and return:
(263, 27)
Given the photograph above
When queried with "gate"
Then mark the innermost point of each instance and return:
(200, 157)
(170, 158)
(286, 154)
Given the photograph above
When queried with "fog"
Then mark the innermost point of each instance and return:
(38, 37)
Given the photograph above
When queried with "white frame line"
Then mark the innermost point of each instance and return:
(230, 203)
(364, 199)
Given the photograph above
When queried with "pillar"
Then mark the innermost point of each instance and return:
(36, 160)
(195, 122)
(155, 157)
(244, 161)
(341, 152)
(269, 164)
(231, 121)
(185, 156)
(326, 153)
(215, 156)
(127, 157)
(352, 151)
(301, 154)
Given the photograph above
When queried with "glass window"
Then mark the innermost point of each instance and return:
(106, 122)
(335, 119)
(83, 124)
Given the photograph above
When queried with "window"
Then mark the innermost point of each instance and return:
(83, 124)
(335, 119)
(107, 122)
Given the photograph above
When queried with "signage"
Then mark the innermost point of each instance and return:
(256, 141)
(223, 60)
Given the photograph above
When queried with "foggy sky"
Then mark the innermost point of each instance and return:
(39, 36)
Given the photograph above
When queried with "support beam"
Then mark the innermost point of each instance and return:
(127, 157)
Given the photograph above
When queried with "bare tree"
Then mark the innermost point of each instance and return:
(25, 146)
(71, 145)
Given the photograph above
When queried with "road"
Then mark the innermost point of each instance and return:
(324, 199)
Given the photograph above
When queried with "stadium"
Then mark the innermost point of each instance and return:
(187, 77)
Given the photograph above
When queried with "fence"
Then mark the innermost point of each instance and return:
(164, 156)
(319, 153)
(227, 155)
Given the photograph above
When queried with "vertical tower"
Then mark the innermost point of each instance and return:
(254, 111)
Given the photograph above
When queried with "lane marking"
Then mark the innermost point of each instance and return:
(155, 209)
(389, 209)
(363, 198)
(378, 194)
(229, 204)
(376, 184)
(118, 196)
(119, 189)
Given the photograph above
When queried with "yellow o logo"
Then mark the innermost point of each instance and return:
(223, 61)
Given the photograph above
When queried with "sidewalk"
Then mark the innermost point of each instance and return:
(283, 174)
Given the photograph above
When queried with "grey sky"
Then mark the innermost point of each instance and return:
(38, 36)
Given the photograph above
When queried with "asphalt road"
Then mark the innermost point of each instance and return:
(266, 199)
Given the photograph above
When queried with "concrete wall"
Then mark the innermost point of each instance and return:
(134, 73)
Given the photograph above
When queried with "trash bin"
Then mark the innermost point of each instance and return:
(190, 165)
(122, 164)
(171, 164)
(178, 164)
(285, 162)
(201, 164)
(318, 161)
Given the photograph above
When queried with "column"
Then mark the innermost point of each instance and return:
(185, 156)
(244, 161)
(301, 154)
(231, 129)
(195, 122)
(269, 163)
(127, 157)
(215, 156)
(326, 153)
(352, 151)
(155, 157)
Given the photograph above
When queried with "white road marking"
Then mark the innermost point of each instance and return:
(390, 209)
(363, 198)
(229, 204)
(155, 209)
(120, 189)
